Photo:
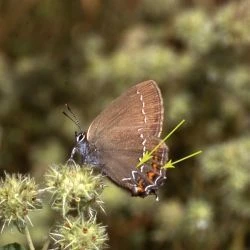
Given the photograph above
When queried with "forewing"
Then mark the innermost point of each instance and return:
(129, 120)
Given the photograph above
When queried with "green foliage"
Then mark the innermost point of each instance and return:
(13, 246)
(229, 164)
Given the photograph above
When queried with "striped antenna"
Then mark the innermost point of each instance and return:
(72, 116)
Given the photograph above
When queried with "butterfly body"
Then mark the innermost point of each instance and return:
(88, 152)
(121, 134)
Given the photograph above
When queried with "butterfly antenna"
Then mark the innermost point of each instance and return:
(72, 117)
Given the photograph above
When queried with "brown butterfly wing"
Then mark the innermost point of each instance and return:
(121, 132)
(137, 111)
(119, 164)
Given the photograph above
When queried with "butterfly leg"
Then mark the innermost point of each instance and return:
(71, 161)
(74, 150)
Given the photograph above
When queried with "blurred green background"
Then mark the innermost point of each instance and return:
(86, 53)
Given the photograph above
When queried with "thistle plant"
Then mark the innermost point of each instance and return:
(18, 196)
(75, 195)
(74, 188)
(76, 233)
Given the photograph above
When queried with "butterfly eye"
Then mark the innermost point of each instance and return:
(80, 137)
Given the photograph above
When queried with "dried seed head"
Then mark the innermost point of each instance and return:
(80, 234)
(18, 196)
(74, 188)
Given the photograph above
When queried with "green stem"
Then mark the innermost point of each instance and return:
(46, 244)
(28, 237)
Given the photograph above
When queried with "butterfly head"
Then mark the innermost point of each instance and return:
(81, 145)
(80, 137)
